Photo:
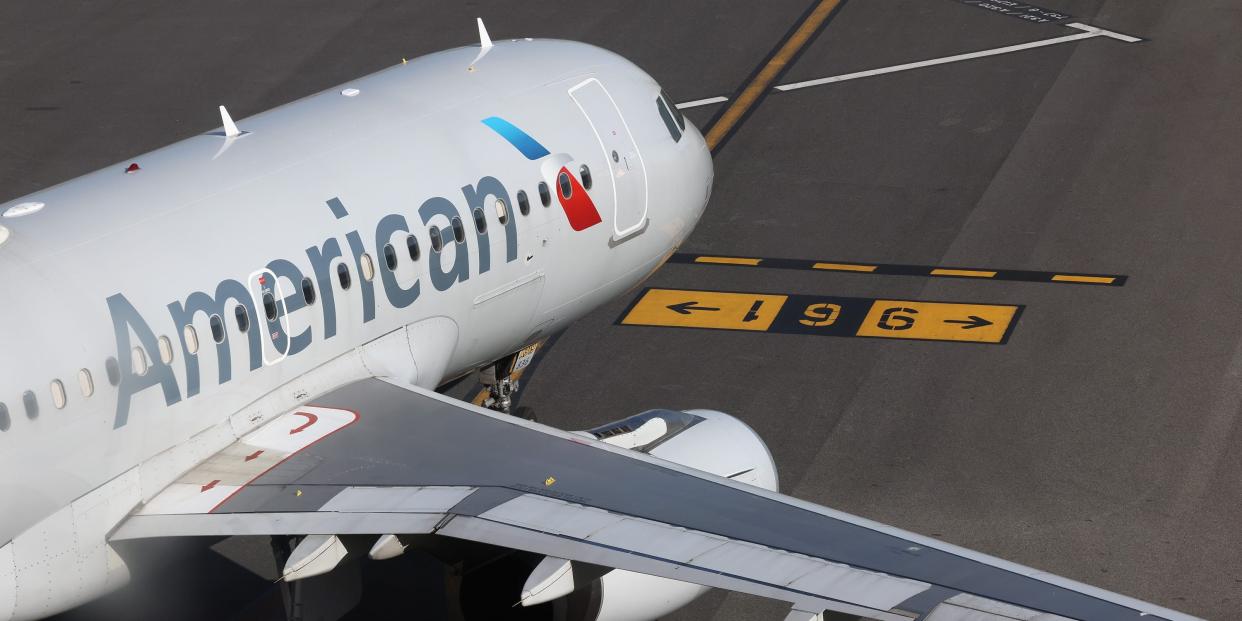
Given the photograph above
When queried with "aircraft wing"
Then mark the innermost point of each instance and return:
(378, 457)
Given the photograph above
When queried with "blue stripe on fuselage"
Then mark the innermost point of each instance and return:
(516, 137)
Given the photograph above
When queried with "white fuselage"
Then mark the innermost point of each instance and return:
(116, 261)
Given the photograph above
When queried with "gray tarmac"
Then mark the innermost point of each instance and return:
(1101, 442)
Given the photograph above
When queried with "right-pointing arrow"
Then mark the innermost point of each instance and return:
(973, 322)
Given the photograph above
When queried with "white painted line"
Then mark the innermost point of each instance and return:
(1088, 32)
(1107, 33)
(701, 102)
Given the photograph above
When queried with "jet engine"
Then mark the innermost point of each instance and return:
(702, 439)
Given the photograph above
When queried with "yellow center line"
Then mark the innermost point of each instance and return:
(727, 260)
(1096, 280)
(763, 80)
(844, 267)
(942, 271)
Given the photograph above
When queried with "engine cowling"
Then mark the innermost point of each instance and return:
(702, 439)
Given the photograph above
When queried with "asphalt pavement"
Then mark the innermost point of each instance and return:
(1099, 441)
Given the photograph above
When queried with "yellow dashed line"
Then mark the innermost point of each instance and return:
(844, 267)
(940, 271)
(1095, 280)
(727, 260)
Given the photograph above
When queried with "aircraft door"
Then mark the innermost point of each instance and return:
(629, 176)
(271, 318)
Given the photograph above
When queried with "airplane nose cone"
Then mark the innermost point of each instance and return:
(699, 174)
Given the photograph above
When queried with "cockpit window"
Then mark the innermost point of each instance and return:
(670, 121)
(672, 106)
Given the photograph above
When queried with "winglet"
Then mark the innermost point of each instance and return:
(484, 40)
(230, 128)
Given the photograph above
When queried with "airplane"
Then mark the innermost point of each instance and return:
(243, 333)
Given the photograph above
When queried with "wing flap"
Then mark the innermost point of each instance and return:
(691, 550)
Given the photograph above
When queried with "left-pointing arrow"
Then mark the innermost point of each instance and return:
(210, 485)
(685, 308)
(969, 324)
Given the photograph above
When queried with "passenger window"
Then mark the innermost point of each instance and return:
(437, 242)
(86, 382)
(567, 189)
(269, 306)
(190, 335)
(166, 350)
(390, 257)
(368, 267)
(217, 328)
(4, 417)
(545, 196)
(459, 230)
(342, 275)
(411, 246)
(480, 221)
(308, 291)
(523, 203)
(670, 122)
(59, 398)
(114, 371)
(502, 211)
(243, 318)
(140, 362)
(585, 174)
(31, 402)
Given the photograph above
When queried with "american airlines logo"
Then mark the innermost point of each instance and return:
(132, 330)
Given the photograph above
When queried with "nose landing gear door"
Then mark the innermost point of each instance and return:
(629, 176)
(271, 319)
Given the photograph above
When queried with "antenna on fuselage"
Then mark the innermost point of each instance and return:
(230, 128)
(485, 44)
(230, 133)
(484, 40)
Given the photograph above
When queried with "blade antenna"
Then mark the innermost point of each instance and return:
(484, 40)
(230, 128)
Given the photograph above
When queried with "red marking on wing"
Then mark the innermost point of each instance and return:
(311, 419)
(282, 461)
(253, 456)
(579, 207)
(210, 485)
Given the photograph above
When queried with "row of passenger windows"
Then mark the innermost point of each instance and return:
(59, 394)
(142, 364)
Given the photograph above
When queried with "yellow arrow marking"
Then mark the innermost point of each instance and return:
(938, 321)
(733, 311)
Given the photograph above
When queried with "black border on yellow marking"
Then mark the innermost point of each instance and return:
(763, 94)
(786, 318)
(895, 269)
